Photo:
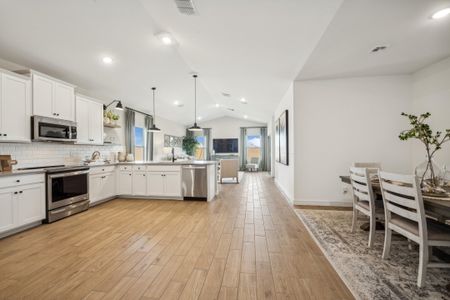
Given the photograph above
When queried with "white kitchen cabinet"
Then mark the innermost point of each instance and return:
(22, 200)
(172, 184)
(30, 204)
(124, 183)
(53, 98)
(139, 183)
(102, 184)
(15, 108)
(89, 121)
(7, 210)
(95, 188)
(155, 184)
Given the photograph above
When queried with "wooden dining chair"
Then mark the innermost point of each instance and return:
(370, 165)
(364, 199)
(405, 214)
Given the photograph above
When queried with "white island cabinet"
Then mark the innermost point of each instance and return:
(22, 201)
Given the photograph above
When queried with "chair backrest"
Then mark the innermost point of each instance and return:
(370, 165)
(402, 196)
(362, 185)
(229, 167)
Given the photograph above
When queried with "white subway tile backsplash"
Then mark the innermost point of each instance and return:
(39, 154)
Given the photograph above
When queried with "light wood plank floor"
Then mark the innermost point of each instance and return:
(247, 244)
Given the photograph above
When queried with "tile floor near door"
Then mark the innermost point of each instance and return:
(247, 244)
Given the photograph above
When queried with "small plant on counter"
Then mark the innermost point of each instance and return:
(189, 145)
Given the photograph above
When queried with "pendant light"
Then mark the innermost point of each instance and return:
(195, 127)
(154, 128)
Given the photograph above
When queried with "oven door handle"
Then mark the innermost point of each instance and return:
(68, 174)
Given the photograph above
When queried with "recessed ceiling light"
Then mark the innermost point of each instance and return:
(243, 100)
(441, 13)
(107, 60)
(178, 103)
(199, 118)
(217, 105)
(166, 38)
(245, 117)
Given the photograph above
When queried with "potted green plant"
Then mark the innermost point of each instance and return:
(432, 141)
(115, 118)
(189, 145)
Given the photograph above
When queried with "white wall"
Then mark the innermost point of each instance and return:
(228, 127)
(284, 175)
(431, 93)
(340, 121)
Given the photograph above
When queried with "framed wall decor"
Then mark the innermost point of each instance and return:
(284, 138)
(277, 140)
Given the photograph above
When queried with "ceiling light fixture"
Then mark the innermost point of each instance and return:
(217, 105)
(199, 118)
(243, 100)
(441, 13)
(107, 60)
(195, 127)
(154, 128)
(245, 117)
(166, 38)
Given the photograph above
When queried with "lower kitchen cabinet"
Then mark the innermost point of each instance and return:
(7, 210)
(139, 184)
(22, 201)
(155, 184)
(102, 185)
(31, 203)
(172, 184)
(125, 182)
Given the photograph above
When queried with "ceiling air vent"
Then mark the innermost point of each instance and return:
(186, 7)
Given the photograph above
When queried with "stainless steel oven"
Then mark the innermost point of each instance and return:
(53, 130)
(67, 192)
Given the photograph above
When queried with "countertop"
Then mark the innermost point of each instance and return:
(176, 163)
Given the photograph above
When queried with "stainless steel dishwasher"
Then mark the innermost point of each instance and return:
(194, 182)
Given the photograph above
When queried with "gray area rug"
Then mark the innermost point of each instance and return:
(366, 274)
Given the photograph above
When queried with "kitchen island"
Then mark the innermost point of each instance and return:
(152, 180)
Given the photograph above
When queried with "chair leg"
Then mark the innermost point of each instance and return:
(355, 219)
(387, 243)
(373, 225)
(423, 262)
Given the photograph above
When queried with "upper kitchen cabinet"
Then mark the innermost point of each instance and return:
(53, 98)
(15, 107)
(89, 121)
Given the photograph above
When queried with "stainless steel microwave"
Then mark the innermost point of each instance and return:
(46, 129)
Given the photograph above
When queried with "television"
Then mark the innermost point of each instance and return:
(225, 145)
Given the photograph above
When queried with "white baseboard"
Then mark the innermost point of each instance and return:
(323, 203)
(280, 188)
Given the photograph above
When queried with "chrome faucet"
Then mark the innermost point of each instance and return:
(95, 155)
(173, 155)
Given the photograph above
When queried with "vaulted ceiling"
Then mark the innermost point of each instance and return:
(249, 49)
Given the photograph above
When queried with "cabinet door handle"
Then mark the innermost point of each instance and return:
(130, 174)
(18, 180)
(20, 192)
(15, 193)
(5, 134)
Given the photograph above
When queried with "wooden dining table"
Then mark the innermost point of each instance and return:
(439, 207)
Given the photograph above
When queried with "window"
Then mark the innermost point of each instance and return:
(139, 143)
(253, 148)
(201, 147)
